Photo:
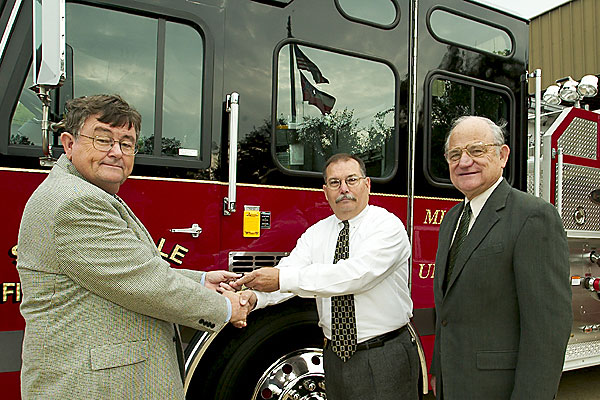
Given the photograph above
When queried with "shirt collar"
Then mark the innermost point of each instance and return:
(479, 201)
(354, 221)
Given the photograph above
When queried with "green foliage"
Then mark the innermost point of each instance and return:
(20, 139)
(170, 146)
(340, 132)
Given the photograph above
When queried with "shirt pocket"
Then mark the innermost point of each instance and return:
(119, 355)
(497, 359)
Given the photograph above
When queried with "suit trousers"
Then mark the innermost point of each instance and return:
(388, 372)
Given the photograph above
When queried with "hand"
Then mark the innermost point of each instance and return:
(239, 312)
(247, 297)
(213, 279)
(432, 380)
(264, 279)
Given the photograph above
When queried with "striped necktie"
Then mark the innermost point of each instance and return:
(343, 315)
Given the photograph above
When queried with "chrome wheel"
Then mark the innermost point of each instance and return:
(295, 376)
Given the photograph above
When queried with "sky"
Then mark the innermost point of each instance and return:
(524, 8)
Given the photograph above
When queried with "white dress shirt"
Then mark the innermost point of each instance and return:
(376, 272)
(479, 201)
(477, 204)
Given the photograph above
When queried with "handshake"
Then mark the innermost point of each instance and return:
(229, 284)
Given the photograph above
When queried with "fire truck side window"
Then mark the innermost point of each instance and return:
(382, 13)
(333, 103)
(25, 127)
(183, 87)
(450, 98)
(114, 52)
(473, 34)
(155, 64)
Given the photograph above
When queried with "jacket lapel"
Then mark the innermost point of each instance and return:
(135, 224)
(487, 218)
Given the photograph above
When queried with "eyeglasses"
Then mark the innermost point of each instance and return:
(474, 150)
(351, 181)
(103, 143)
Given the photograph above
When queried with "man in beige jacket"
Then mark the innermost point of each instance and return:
(99, 302)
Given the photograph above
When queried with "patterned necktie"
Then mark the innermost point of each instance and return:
(343, 318)
(459, 238)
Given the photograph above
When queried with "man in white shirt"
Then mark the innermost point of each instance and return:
(372, 354)
(502, 289)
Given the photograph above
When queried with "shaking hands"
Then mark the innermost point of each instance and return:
(241, 302)
(241, 305)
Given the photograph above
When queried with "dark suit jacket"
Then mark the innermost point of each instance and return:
(503, 324)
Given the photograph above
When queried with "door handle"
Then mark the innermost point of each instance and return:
(195, 230)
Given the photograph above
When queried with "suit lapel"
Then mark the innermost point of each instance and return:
(65, 166)
(137, 223)
(487, 218)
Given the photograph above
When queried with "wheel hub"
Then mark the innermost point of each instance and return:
(295, 376)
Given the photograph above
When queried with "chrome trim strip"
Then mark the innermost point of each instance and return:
(422, 359)
(196, 355)
(9, 27)
(411, 138)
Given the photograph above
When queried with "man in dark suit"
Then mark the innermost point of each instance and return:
(502, 292)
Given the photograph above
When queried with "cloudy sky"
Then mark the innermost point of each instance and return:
(524, 8)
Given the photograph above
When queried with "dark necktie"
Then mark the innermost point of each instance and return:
(459, 238)
(343, 316)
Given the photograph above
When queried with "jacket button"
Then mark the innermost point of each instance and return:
(444, 322)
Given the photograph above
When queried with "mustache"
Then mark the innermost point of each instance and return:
(345, 196)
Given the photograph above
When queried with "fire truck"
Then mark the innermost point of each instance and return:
(242, 102)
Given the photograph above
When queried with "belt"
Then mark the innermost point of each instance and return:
(377, 341)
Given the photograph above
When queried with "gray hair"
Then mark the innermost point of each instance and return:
(344, 157)
(496, 129)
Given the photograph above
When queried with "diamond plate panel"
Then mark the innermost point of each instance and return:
(580, 350)
(577, 351)
(580, 139)
(578, 183)
(531, 185)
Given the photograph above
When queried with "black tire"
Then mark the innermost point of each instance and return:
(237, 358)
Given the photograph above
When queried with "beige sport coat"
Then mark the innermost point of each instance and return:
(99, 302)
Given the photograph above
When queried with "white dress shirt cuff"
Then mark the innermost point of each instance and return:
(229, 311)
(260, 300)
(288, 280)
(203, 279)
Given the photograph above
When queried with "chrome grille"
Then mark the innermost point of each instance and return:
(247, 261)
